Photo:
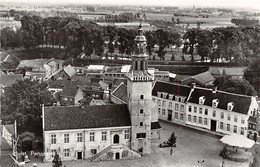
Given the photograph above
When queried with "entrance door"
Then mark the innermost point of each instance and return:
(117, 155)
(26, 145)
(79, 155)
(169, 115)
(213, 125)
(116, 139)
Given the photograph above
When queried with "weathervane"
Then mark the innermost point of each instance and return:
(141, 17)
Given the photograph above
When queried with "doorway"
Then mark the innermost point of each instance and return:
(117, 155)
(213, 126)
(79, 155)
(169, 115)
(116, 139)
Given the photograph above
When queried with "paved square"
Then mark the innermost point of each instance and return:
(192, 146)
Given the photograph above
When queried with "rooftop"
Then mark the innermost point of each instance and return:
(121, 92)
(7, 80)
(76, 117)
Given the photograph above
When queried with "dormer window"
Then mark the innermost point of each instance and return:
(171, 96)
(202, 100)
(159, 94)
(215, 102)
(164, 95)
(230, 106)
(183, 99)
(177, 98)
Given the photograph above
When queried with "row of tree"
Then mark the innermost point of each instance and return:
(245, 22)
(230, 43)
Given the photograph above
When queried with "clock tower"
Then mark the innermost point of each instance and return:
(139, 92)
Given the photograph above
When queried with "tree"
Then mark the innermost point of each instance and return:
(22, 101)
(234, 85)
(252, 74)
(172, 141)
(256, 158)
(56, 162)
(190, 38)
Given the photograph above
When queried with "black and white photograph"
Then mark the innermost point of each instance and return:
(134, 83)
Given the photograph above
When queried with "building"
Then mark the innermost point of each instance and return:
(8, 80)
(106, 132)
(171, 100)
(202, 79)
(52, 66)
(235, 72)
(70, 96)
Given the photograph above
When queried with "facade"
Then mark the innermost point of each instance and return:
(171, 100)
(71, 96)
(209, 109)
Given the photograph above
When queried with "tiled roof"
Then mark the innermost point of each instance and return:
(204, 78)
(10, 128)
(86, 100)
(8, 80)
(69, 92)
(233, 71)
(65, 83)
(70, 70)
(10, 62)
(252, 119)
(155, 125)
(171, 88)
(76, 117)
(241, 102)
(121, 92)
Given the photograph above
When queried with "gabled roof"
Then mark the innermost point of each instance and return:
(70, 70)
(252, 119)
(7, 80)
(11, 130)
(76, 117)
(204, 78)
(121, 92)
(10, 62)
(69, 92)
(232, 71)
(86, 100)
(241, 102)
(171, 88)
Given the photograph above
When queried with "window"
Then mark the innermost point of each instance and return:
(158, 102)
(228, 117)
(53, 152)
(215, 103)
(235, 129)
(177, 98)
(127, 134)
(221, 125)
(181, 117)
(141, 111)
(228, 127)
(200, 120)
(141, 124)
(194, 119)
(214, 113)
(222, 115)
(104, 136)
(189, 118)
(66, 138)
(235, 118)
(159, 111)
(65, 98)
(140, 135)
(230, 106)
(200, 110)
(190, 108)
(182, 99)
(164, 103)
(177, 107)
(205, 121)
(242, 131)
(206, 111)
(170, 105)
(242, 120)
(163, 112)
(142, 97)
(92, 136)
(202, 100)
(79, 137)
(66, 152)
(53, 139)
(153, 99)
(93, 151)
(176, 115)
(195, 109)
(182, 108)
(159, 94)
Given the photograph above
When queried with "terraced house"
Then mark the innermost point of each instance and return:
(210, 109)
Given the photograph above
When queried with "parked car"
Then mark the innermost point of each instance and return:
(166, 144)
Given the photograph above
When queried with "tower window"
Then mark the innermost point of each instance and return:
(142, 97)
(141, 111)
(141, 124)
(141, 65)
(136, 65)
(140, 135)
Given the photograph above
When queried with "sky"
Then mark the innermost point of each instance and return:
(199, 3)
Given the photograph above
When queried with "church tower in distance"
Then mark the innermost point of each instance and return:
(139, 92)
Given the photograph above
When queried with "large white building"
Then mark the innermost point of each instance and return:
(210, 109)
(106, 132)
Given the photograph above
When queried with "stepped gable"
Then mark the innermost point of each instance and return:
(77, 117)
(241, 102)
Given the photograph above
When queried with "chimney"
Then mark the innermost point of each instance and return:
(214, 90)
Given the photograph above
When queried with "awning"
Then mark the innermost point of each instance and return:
(237, 141)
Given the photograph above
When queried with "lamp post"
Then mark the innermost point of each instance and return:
(200, 163)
